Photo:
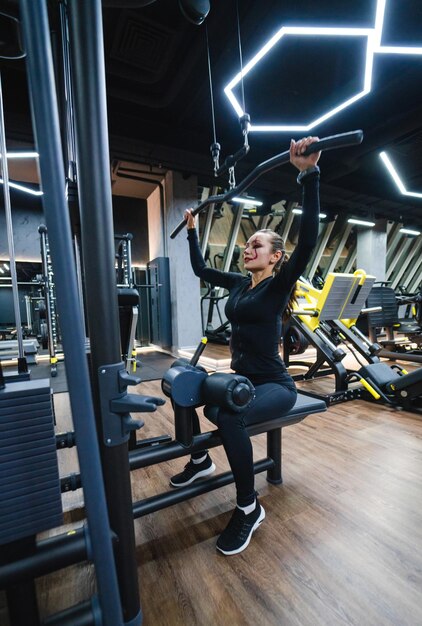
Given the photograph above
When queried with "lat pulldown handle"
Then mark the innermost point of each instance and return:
(343, 140)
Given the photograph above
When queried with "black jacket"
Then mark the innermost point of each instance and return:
(256, 314)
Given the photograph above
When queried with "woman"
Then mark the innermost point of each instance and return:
(255, 307)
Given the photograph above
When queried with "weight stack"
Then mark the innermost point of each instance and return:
(30, 494)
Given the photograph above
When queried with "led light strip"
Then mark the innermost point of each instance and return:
(299, 212)
(409, 231)
(374, 46)
(21, 155)
(34, 192)
(394, 175)
(352, 220)
(247, 201)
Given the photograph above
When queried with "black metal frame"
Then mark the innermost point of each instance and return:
(87, 30)
(326, 363)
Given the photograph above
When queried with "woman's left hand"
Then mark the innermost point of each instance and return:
(297, 148)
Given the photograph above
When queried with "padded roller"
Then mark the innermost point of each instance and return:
(184, 384)
(230, 391)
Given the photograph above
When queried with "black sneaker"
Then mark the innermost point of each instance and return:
(237, 535)
(193, 471)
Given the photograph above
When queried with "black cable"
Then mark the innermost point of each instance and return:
(240, 55)
(354, 354)
(210, 79)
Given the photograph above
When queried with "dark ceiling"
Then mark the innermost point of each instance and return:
(159, 97)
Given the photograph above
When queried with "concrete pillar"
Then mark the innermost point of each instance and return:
(180, 194)
(372, 249)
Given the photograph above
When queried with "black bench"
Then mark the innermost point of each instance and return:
(152, 454)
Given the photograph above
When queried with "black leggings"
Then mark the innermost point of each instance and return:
(271, 401)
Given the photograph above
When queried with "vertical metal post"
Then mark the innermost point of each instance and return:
(79, 277)
(339, 249)
(22, 364)
(263, 222)
(97, 240)
(234, 231)
(208, 222)
(417, 264)
(228, 256)
(398, 257)
(21, 613)
(70, 153)
(410, 260)
(351, 258)
(417, 279)
(287, 222)
(394, 236)
(47, 134)
(319, 250)
(274, 475)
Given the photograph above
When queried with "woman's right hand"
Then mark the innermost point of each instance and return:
(190, 219)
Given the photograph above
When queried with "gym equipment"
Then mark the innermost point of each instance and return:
(328, 143)
(128, 300)
(218, 389)
(86, 18)
(123, 255)
(36, 323)
(189, 387)
(30, 497)
(354, 306)
(392, 385)
(231, 160)
(109, 404)
(413, 304)
(215, 295)
(192, 386)
(22, 363)
(9, 349)
(295, 340)
(386, 317)
(222, 333)
(317, 316)
(380, 382)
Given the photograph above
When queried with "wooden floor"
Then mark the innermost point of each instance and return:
(341, 543)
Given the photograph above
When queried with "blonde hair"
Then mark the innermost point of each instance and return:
(278, 244)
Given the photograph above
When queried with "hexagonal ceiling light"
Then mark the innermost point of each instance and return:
(374, 46)
(395, 176)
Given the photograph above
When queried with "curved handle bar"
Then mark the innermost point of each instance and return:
(232, 160)
(343, 140)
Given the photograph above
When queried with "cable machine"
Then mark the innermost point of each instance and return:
(101, 412)
(22, 363)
